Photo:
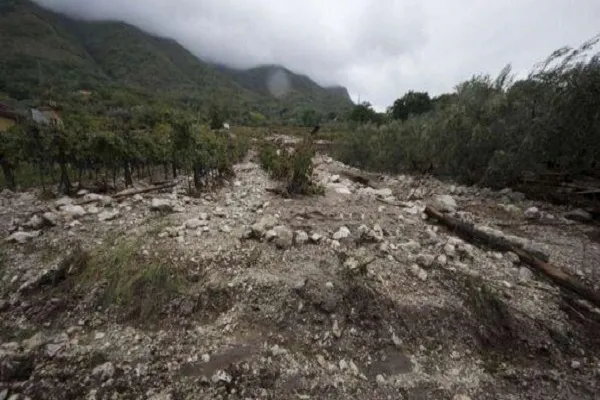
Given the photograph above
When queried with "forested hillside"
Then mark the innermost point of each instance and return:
(50, 55)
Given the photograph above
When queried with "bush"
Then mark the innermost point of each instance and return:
(294, 168)
(493, 131)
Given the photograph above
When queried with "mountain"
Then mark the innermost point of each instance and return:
(46, 52)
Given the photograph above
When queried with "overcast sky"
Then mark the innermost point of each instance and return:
(378, 49)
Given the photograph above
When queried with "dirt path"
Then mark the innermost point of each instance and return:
(331, 297)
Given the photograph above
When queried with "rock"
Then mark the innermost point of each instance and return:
(351, 263)
(73, 211)
(260, 228)
(22, 237)
(93, 197)
(512, 257)
(225, 229)
(221, 376)
(220, 212)
(7, 194)
(93, 210)
(161, 205)
(343, 365)
(104, 371)
(108, 215)
(52, 349)
(35, 222)
(334, 178)
(341, 233)
(316, 237)
(63, 201)
(284, 237)
(445, 203)
(342, 190)
(35, 342)
(418, 272)
(450, 250)
(164, 395)
(461, 397)
(575, 364)
(579, 215)
(50, 218)
(195, 223)
(336, 330)
(525, 274)
(425, 260)
(385, 192)
(205, 358)
(138, 198)
(532, 213)
(300, 237)
(380, 379)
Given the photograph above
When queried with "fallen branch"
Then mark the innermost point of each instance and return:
(393, 203)
(555, 274)
(130, 192)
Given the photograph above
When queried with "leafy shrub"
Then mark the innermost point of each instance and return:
(492, 131)
(294, 168)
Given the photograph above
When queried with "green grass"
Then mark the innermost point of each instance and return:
(135, 283)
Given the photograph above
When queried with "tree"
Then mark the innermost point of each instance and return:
(364, 113)
(412, 103)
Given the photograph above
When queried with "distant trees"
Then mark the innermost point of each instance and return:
(364, 113)
(491, 131)
(412, 103)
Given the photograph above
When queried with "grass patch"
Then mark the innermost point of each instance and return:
(136, 283)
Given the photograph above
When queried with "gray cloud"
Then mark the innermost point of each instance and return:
(378, 49)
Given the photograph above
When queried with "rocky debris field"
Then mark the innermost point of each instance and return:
(241, 294)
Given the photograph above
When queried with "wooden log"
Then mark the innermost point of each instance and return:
(129, 192)
(552, 272)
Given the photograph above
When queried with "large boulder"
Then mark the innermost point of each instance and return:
(161, 205)
(445, 203)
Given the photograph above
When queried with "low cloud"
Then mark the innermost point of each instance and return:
(377, 49)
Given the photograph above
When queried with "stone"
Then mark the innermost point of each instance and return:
(461, 397)
(341, 233)
(221, 376)
(93, 210)
(300, 237)
(266, 223)
(34, 342)
(35, 222)
(425, 260)
(450, 250)
(166, 394)
(161, 205)
(104, 371)
(445, 203)
(575, 364)
(380, 379)
(138, 198)
(334, 178)
(194, 223)
(579, 215)
(63, 201)
(384, 192)
(225, 229)
(284, 237)
(50, 218)
(73, 211)
(351, 263)
(532, 213)
(337, 332)
(108, 215)
(93, 197)
(342, 190)
(220, 212)
(316, 237)
(205, 358)
(22, 237)
(418, 272)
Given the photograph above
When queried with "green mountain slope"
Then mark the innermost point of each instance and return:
(43, 51)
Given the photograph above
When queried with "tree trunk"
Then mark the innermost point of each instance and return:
(65, 183)
(127, 172)
(9, 175)
(166, 170)
(174, 167)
